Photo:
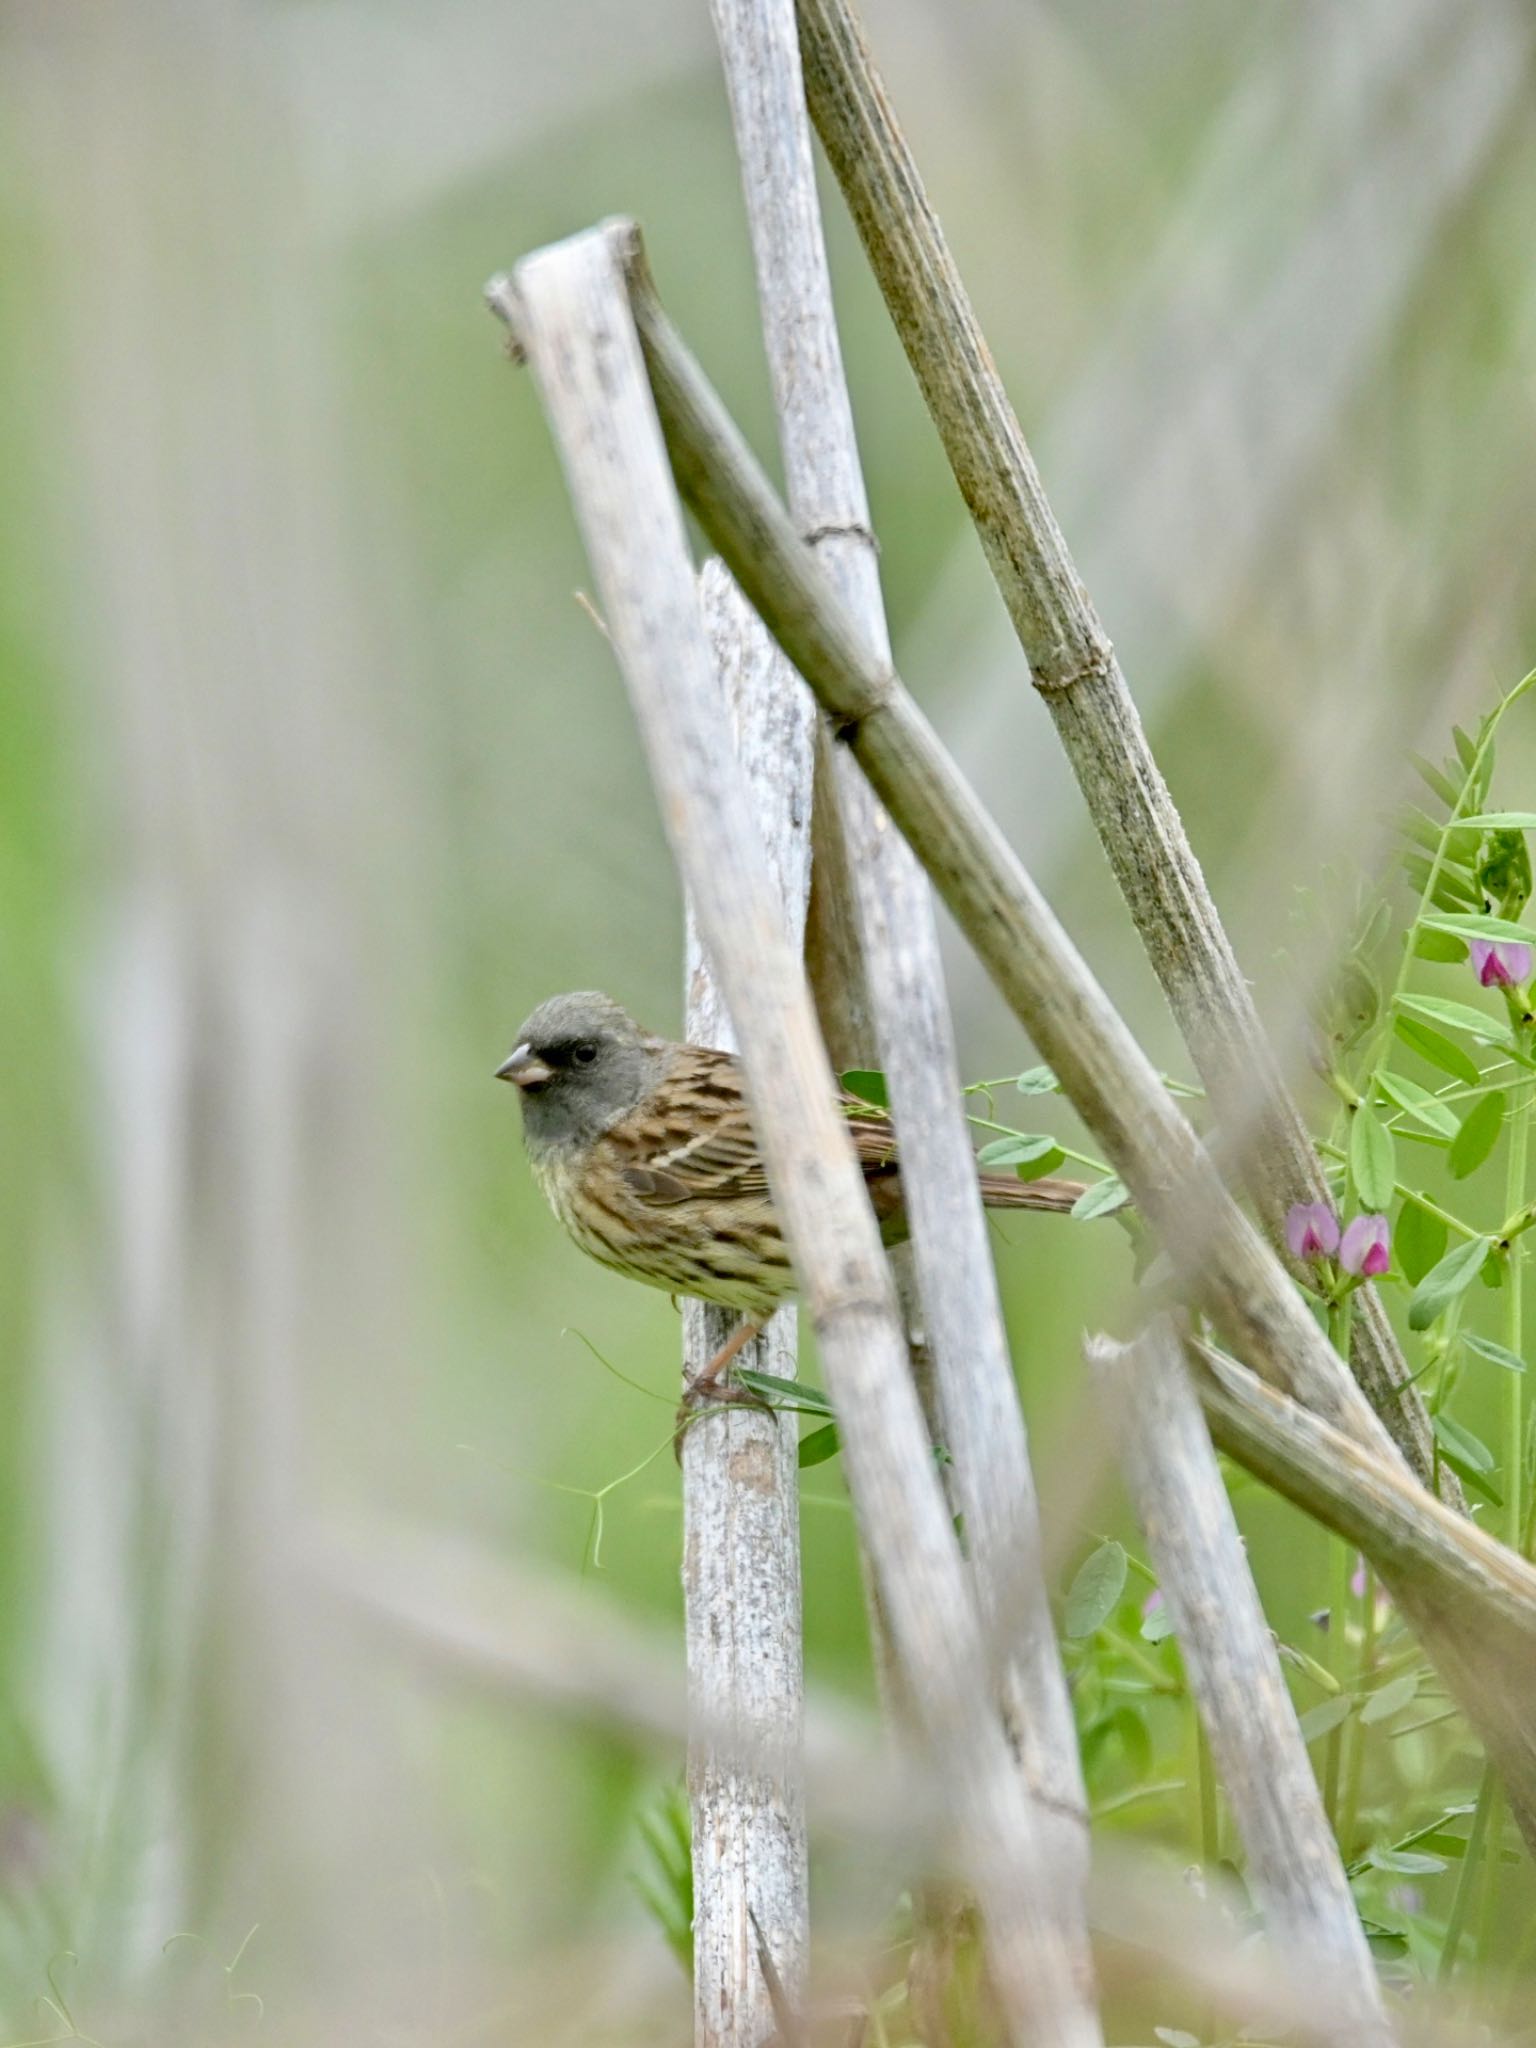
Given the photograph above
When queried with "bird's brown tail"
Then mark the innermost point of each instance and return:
(1002, 1191)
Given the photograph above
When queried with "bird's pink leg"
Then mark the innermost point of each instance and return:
(704, 1388)
(703, 1385)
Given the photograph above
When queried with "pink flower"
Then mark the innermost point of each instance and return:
(1312, 1231)
(1366, 1247)
(1501, 965)
(1152, 1603)
(1359, 1580)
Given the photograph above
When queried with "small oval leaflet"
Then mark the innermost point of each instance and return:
(1037, 1081)
(1458, 1443)
(1478, 1024)
(1405, 1862)
(1372, 1160)
(1496, 1354)
(1019, 1148)
(1424, 1107)
(1326, 1716)
(1442, 1283)
(1477, 925)
(1095, 1590)
(1391, 1699)
(1102, 1199)
(1477, 1136)
(817, 1445)
(1419, 1240)
(1440, 1051)
(1428, 945)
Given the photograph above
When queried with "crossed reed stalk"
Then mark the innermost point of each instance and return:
(973, 1668)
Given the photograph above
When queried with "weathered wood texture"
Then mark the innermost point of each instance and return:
(1374, 1504)
(1176, 1488)
(1076, 671)
(962, 1325)
(741, 1499)
(1226, 1267)
(569, 308)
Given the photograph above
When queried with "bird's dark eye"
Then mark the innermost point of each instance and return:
(584, 1054)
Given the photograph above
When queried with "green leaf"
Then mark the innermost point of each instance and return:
(1459, 1444)
(1478, 925)
(1449, 887)
(1419, 829)
(798, 1396)
(1440, 1051)
(1496, 1354)
(1157, 1626)
(817, 1445)
(1095, 1591)
(1372, 1161)
(1326, 1716)
(867, 1085)
(1441, 784)
(1404, 1862)
(1391, 1699)
(1438, 1116)
(1038, 1167)
(1466, 748)
(1452, 1276)
(1441, 946)
(1477, 1136)
(1019, 1148)
(1418, 1241)
(1502, 821)
(1385, 1942)
(1102, 1199)
(1473, 1481)
(1460, 1017)
(1038, 1081)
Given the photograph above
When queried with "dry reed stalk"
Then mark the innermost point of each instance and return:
(1225, 1265)
(570, 310)
(975, 1398)
(1075, 669)
(741, 1481)
(1176, 1488)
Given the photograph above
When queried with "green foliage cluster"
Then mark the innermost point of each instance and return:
(1431, 1071)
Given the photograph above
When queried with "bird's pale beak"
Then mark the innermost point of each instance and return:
(524, 1069)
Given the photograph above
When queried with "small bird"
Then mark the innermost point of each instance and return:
(645, 1151)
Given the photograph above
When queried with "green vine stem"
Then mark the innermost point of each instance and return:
(1483, 1839)
(1367, 1090)
(1466, 1882)
(1340, 1564)
(1514, 1314)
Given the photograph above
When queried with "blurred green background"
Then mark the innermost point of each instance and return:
(315, 777)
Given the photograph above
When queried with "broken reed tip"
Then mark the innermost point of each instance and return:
(500, 295)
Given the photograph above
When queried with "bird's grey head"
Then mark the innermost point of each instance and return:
(580, 1063)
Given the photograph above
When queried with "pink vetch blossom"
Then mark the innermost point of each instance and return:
(1501, 964)
(1152, 1603)
(1357, 1584)
(1311, 1230)
(1366, 1246)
